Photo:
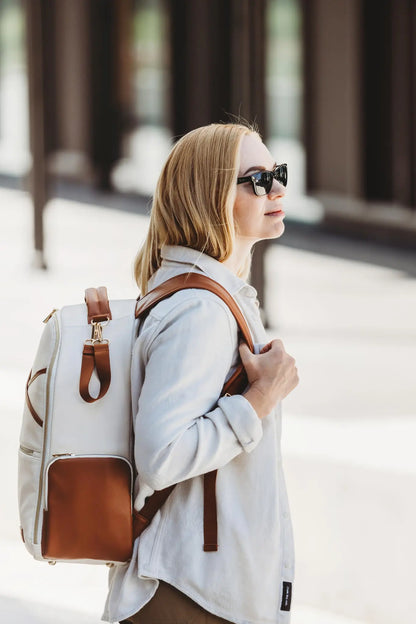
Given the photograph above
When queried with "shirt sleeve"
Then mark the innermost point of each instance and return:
(182, 428)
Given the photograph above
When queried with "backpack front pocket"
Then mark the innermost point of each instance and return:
(88, 510)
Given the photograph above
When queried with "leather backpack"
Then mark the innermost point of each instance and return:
(76, 468)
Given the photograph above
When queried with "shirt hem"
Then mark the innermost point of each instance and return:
(205, 605)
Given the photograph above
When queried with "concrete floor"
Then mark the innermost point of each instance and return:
(346, 311)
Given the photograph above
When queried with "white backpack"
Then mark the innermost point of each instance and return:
(76, 469)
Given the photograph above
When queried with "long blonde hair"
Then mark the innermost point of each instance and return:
(194, 198)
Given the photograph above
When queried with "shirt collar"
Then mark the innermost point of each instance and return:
(194, 259)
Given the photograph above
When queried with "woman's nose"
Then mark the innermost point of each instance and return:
(277, 190)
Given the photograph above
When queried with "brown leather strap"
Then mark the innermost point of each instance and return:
(96, 356)
(193, 280)
(97, 304)
(210, 512)
(32, 410)
(142, 518)
(235, 385)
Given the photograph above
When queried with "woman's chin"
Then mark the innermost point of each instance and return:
(278, 230)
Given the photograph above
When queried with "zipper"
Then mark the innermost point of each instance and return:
(36, 537)
(28, 451)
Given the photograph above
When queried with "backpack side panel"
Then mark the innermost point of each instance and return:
(32, 433)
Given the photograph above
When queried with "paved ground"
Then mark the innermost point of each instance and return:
(346, 311)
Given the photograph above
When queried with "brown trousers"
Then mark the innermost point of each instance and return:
(170, 606)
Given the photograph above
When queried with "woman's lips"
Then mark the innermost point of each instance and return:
(275, 213)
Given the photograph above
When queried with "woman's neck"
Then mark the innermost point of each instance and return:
(237, 260)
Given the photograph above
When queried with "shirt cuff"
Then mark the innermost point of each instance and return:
(243, 420)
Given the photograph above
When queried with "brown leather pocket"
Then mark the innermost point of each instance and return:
(89, 510)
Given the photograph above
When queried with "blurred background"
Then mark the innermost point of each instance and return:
(93, 93)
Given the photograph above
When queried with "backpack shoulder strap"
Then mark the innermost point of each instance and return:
(234, 385)
(193, 280)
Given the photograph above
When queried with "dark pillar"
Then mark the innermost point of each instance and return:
(37, 43)
(377, 99)
(309, 79)
(402, 111)
(106, 115)
(389, 100)
(332, 106)
(412, 25)
(218, 58)
(218, 71)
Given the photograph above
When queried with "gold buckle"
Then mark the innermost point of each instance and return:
(97, 332)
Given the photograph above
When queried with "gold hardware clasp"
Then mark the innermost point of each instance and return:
(97, 332)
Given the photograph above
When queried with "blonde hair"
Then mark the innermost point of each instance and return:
(194, 198)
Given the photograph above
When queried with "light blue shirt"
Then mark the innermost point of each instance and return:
(186, 348)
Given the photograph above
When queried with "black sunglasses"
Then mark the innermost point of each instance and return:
(262, 181)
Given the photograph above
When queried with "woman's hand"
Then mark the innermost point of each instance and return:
(272, 375)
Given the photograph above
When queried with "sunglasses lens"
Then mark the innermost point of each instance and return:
(281, 174)
(263, 183)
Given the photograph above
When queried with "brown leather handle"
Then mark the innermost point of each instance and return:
(96, 356)
(32, 410)
(194, 280)
(97, 304)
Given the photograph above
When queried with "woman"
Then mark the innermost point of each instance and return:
(219, 193)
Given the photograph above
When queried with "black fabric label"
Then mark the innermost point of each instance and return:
(286, 596)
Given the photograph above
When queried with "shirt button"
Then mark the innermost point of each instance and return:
(285, 514)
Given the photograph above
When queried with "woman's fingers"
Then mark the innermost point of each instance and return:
(245, 352)
(272, 375)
